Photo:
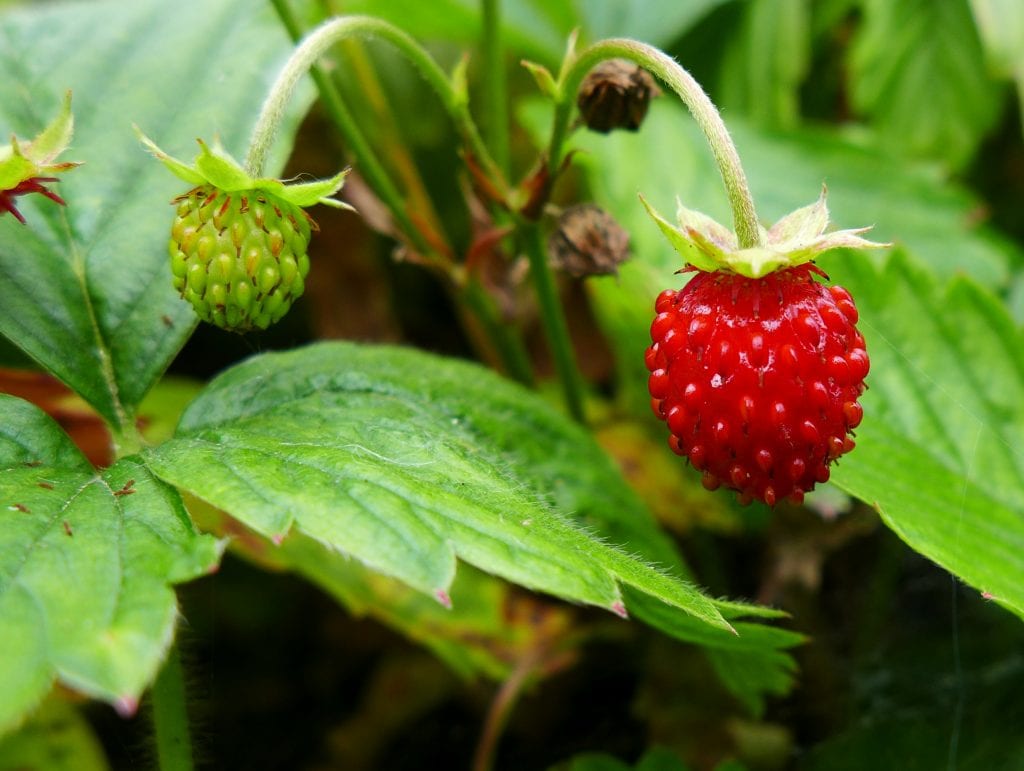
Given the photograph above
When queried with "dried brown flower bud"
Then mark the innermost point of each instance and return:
(588, 242)
(615, 94)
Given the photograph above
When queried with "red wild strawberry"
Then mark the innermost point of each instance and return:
(758, 379)
(756, 366)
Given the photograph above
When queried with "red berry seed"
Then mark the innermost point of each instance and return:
(758, 379)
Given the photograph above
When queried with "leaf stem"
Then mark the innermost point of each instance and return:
(495, 93)
(318, 42)
(501, 710)
(553, 318)
(701, 107)
(170, 718)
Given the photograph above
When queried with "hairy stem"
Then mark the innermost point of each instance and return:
(317, 43)
(553, 318)
(370, 167)
(170, 719)
(693, 96)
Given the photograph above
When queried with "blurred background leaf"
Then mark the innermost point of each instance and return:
(1001, 26)
(538, 29)
(919, 72)
(56, 738)
(766, 62)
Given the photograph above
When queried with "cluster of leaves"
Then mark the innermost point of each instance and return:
(417, 489)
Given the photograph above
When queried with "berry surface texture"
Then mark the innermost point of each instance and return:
(239, 258)
(758, 379)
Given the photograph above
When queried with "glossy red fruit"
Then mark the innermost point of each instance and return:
(758, 379)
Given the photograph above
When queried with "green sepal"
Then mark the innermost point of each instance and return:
(797, 238)
(544, 79)
(685, 246)
(214, 166)
(20, 161)
(460, 83)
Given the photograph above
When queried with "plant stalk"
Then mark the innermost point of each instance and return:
(495, 94)
(170, 717)
(500, 712)
(553, 318)
(504, 340)
(701, 107)
(370, 167)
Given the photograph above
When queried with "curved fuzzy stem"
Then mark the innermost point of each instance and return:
(317, 43)
(556, 330)
(693, 96)
(369, 165)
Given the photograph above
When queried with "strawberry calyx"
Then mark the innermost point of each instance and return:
(214, 166)
(26, 166)
(796, 239)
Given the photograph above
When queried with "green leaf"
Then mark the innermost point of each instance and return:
(480, 635)
(55, 738)
(939, 449)
(86, 560)
(766, 62)
(406, 461)
(919, 72)
(87, 290)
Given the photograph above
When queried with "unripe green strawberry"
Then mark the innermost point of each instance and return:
(239, 258)
(756, 367)
(238, 243)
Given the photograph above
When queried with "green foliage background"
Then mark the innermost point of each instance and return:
(369, 471)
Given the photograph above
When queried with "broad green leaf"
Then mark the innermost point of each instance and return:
(86, 563)
(407, 461)
(907, 205)
(488, 629)
(87, 290)
(766, 62)
(55, 738)
(919, 72)
(939, 451)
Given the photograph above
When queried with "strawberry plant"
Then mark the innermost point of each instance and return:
(341, 455)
